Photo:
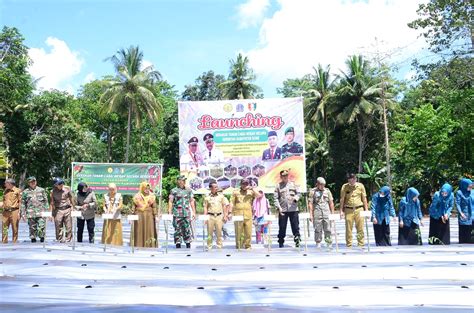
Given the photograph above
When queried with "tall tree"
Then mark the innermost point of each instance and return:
(448, 25)
(239, 84)
(358, 95)
(130, 93)
(206, 87)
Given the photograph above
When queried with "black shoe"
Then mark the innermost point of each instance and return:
(91, 241)
(178, 246)
(280, 245)
(297, 244)
(33, 240)
(42, 239)
(188, 245)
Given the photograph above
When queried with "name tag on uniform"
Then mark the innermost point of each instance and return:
(132, 218)
(203, 217)
(269, 218)
(334, 217)
(238, 218)
(167, 217)
(304, 215)
(366, 213)
(46, 214)
(76, 214)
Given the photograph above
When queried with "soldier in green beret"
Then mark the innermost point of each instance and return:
(291, 147)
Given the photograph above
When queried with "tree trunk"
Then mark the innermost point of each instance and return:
(360, 140)
(387, 146)
(109, 143)
(129, 127)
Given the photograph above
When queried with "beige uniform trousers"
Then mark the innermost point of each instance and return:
(243, 230)
(62, 218)
(214, 224)
(10, 218)
(351, 217)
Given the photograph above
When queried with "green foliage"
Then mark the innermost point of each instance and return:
(15, 81)
(373, 175)
(423, 148)
(447, 25)
(239, 84)
(206, 87)
(130, 93)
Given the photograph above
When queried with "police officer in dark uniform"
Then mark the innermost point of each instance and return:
(290, 148)
(273, 152)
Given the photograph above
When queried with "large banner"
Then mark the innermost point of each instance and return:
(127, 176)
(225, 141)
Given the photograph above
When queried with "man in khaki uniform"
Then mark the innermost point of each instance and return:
(216, 206)
(321, 204)
(241, 204)
(62, 202)
(11, 210)
(353, 201)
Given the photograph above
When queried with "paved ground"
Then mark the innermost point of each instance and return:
(392, 279)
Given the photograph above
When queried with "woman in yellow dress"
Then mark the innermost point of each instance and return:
(144, 205)
(112, 231)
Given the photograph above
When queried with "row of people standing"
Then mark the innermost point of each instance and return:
(245, 201)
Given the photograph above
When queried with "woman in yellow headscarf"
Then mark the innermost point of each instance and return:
(144, 205)
(112, 231)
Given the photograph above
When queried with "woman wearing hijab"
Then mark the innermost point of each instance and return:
(464, 204)
(382, 209)
(440, 211)
(409, 218)
(261, 207)
(112, 231)
(144, 205)
(86, 203)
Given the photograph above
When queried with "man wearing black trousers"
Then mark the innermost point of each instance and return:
(286, 197)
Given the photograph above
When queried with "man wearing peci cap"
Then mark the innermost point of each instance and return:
(321, 204)
(286, 197)
(241, 202)
(11, 210)
(273, 152)
(191, 160)
(62, 202)
(353, 201)
(34, 200)
(180, 204)
(212, 155)
(291, 147)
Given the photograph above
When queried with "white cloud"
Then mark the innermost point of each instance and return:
(55, 67)
(303, 33)
(145, 64)
(252, 12)
(89, 77)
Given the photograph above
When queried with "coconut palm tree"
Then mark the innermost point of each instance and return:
(239, 84)
(358, 97)
(130, 92)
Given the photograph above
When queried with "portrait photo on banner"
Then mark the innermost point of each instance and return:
(227, 140)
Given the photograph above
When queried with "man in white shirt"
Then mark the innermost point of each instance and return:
(212, 155)
(191, 160)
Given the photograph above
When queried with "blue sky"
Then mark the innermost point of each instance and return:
(69, 40)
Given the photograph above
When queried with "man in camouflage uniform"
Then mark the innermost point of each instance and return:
(34, 200)
(291, 147)
(321, 204)
(286, 197)
(11, 210)
(62, 202)
(180, 204)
